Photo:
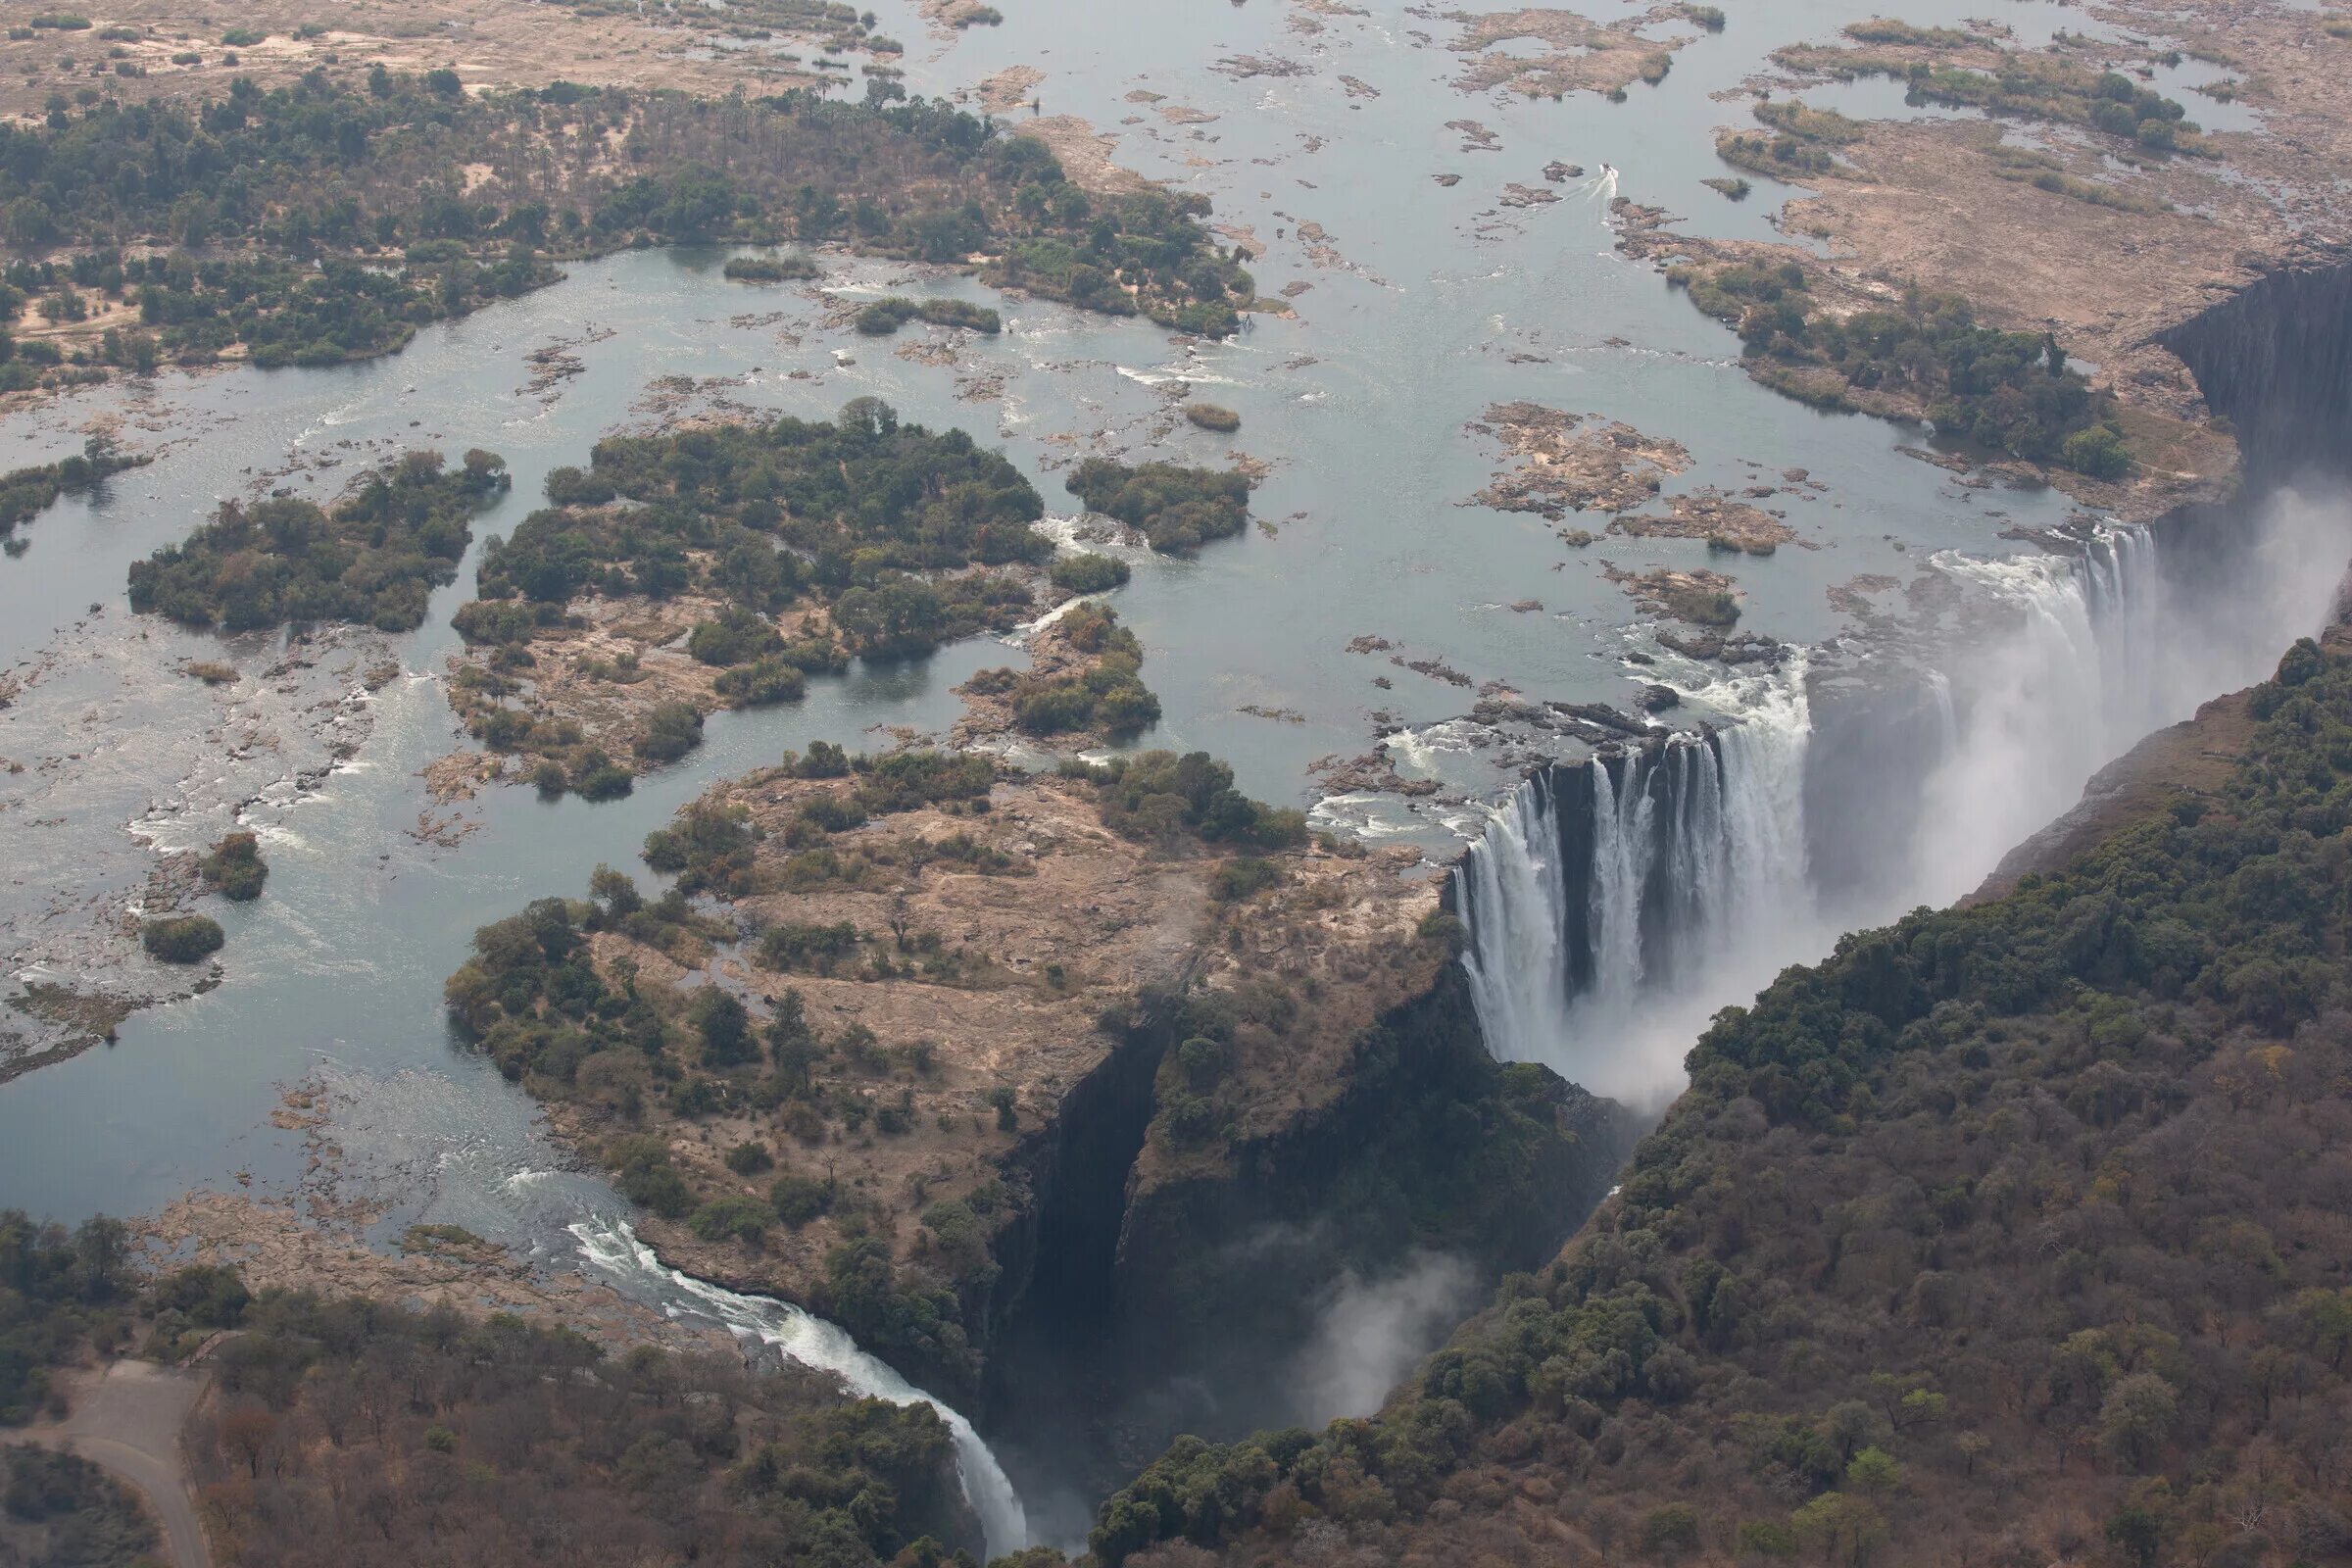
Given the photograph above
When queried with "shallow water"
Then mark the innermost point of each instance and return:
(1444, 302)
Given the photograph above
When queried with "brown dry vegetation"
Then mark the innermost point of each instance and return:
(2104, 259)
(1586, 56)
(929, 979)
(1569, 461)
(506, 43)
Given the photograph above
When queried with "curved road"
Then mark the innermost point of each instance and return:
(127, 1420)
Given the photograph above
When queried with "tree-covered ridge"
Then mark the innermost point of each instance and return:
(326, 220)
(372, 559)
(2010, 1233)
(355, 1432)
(2010, 392)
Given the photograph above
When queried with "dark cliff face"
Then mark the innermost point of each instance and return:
(1147, 1308)
(1431, 1144)
(2276, 360)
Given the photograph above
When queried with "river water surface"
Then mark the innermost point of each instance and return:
(1430, 303)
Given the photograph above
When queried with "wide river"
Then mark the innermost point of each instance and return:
(1428, 302)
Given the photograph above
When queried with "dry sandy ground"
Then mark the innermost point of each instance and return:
(488, 42)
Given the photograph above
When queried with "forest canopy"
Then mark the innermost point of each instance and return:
(373, 557)
(2017, 1225)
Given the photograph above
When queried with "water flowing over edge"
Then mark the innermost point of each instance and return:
(611, 1245)
(1614, 903)
(1603, 892)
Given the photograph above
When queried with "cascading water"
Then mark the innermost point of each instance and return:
(1615, 905)
(612, 1247)
(1603, 892)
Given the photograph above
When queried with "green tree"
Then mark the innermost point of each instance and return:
(2136, 1417)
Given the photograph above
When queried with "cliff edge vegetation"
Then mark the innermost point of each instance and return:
(2010, 1233)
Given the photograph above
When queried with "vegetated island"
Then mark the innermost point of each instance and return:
(764, 552)
(326, 220)
(929, 997)
(372, 559)
(1175, 508)
(26, 492)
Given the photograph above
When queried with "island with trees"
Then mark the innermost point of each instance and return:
(372, 558)
(721, 565)
(326, 218)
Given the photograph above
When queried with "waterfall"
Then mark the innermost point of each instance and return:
(1621, 856)
(1519, 961)
(1606, 897)
(2083, 658)
(613, 1246)
(1614, 905)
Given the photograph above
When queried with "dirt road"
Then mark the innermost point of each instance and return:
(126, 1421)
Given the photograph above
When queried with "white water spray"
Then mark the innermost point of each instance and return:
(1611, 904)
(1613, 909)
(612, 1247)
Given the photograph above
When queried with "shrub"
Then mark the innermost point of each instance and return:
(1210, 417)
(767, 680)
(2098, 451)
(235, 867)
(671, 730)
(1242, 877)
(733, 1217)
(646, 1176)
(797, 1200)
(1089, 573)
(181, 938)
(597, 777)
(749, 1158)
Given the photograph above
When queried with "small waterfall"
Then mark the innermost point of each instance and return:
(613, 1246)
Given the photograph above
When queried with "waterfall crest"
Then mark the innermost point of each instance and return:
(1614, 905)
(1606, 894)
(612, 1247)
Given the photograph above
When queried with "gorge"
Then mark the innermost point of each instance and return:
(1124, 1116)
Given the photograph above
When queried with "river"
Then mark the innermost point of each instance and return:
(1432, 302)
